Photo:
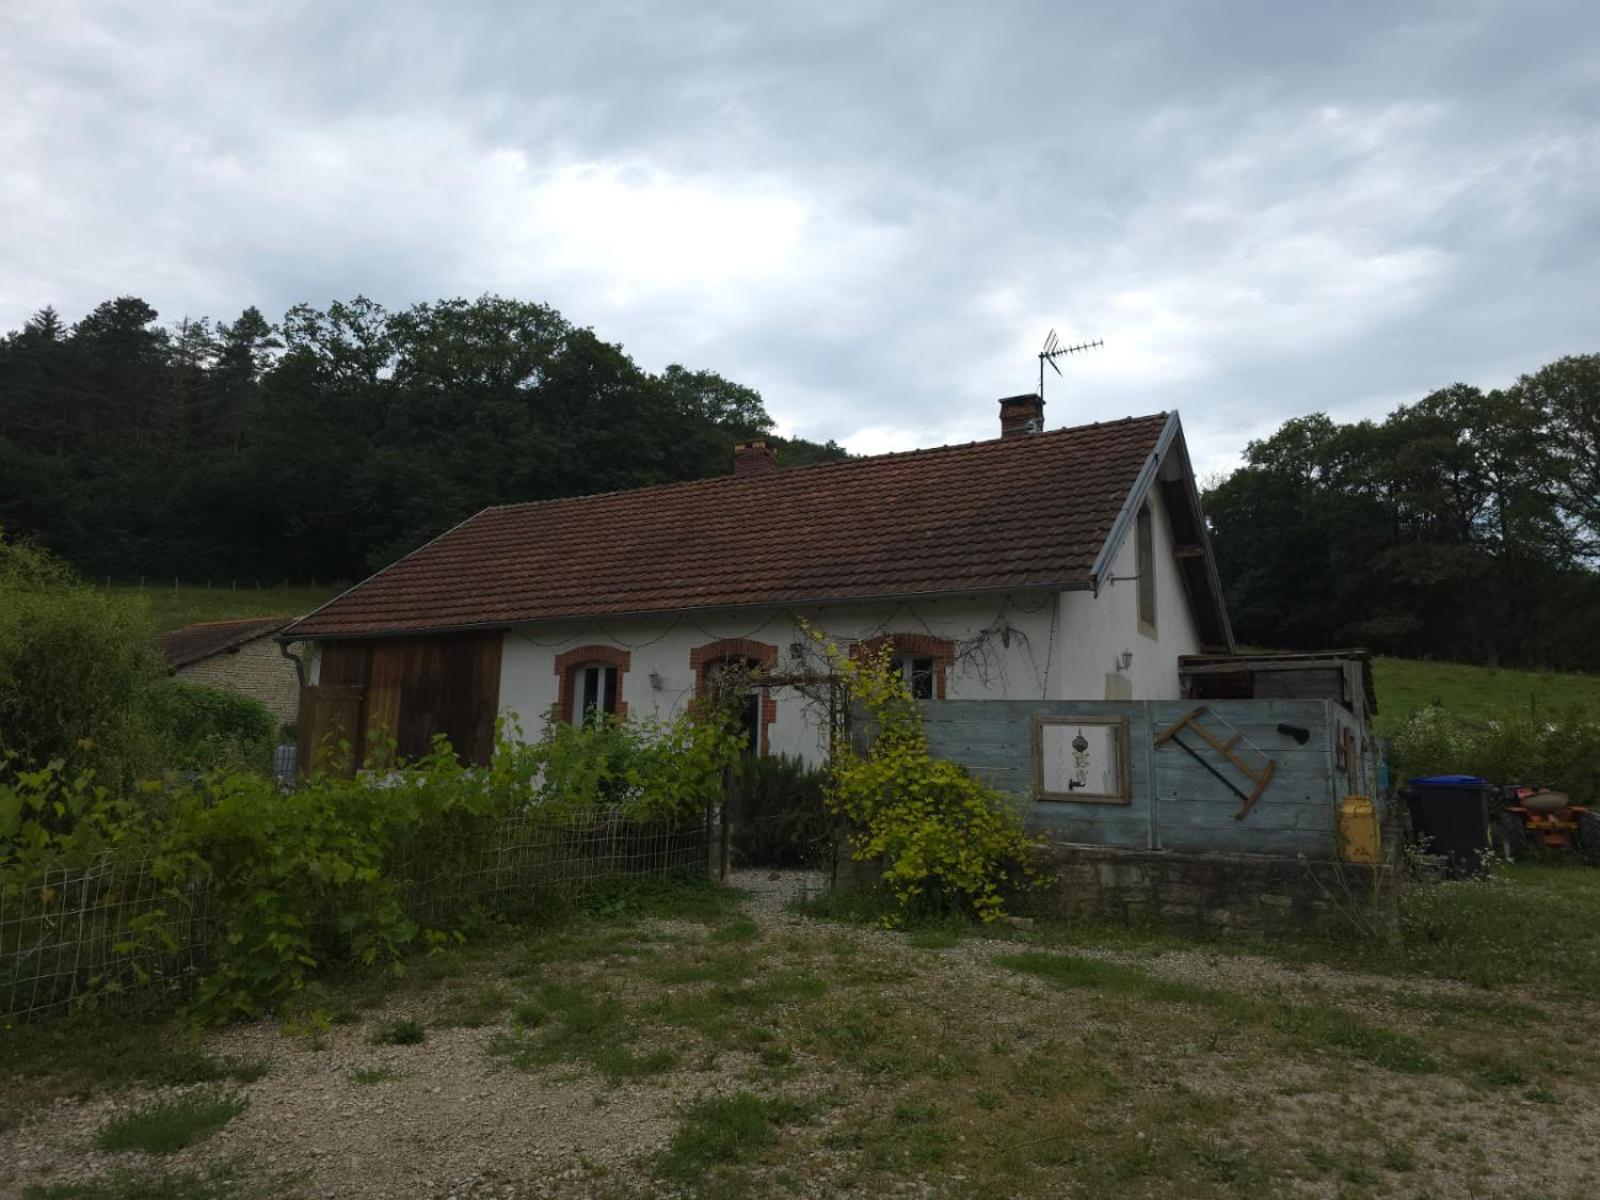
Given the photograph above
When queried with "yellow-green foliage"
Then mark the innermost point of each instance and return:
(944, 836)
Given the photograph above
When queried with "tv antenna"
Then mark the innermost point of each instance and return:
(1053, 349)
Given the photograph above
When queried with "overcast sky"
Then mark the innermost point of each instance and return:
(871, 212)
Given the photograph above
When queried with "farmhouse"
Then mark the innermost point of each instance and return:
(1063, 565)
(240, 656)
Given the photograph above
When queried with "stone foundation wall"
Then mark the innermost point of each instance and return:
(1250, 893)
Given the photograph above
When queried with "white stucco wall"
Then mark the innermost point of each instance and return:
(1096, 629)
(1016, 659)
(1032, 645)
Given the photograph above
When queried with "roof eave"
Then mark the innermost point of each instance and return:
(1171, 435)
(287, 637)
(1130, 506)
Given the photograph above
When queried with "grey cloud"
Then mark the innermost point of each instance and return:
(1265, 209)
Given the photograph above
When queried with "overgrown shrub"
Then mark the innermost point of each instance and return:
(75, 669)
(278, 885)
(944, 836)
(777, 811)
(80, 684)
(1562, 751)
(208, 729)
(654, 767)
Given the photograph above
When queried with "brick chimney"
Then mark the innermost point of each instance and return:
(754, 458)
(1021, 415)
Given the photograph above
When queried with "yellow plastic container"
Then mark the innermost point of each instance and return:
(1358, 830)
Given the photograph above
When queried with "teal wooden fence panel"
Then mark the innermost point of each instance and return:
(1176, 803)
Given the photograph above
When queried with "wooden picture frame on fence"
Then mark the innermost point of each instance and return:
(1082, 760)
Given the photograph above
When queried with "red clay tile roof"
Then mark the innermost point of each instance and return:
(1010, 513)
(190, 644)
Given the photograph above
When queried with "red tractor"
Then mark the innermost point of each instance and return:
(1535, 821)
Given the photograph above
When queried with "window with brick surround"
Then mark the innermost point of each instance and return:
(922, 660)
(760, 707)
(590, 683)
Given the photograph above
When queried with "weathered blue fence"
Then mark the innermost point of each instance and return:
(1173, 801)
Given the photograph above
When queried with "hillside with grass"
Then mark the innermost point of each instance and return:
(1407, 685)
(173, 608)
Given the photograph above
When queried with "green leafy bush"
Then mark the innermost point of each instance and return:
(1562, 751)
(207, 728)
(652, 766)
(943, 836)
(80, 684)
(75, 669)
(280, 884)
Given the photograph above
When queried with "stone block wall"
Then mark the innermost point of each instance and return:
(255, 669)
(1249, 893)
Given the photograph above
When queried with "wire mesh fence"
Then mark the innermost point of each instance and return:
(68, 933)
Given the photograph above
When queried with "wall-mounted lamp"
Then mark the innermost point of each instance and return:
(656, 682)
(1124, 660)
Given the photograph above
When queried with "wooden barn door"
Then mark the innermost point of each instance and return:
(389, 697)
(330, 729)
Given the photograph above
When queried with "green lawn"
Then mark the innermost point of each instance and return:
(1407, 684)
(173, 608)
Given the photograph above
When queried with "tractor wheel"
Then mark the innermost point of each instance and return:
(1587, 841)
(1516, 843)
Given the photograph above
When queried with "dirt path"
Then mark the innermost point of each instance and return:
(449, 1118)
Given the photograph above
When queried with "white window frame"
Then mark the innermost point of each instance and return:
(607, 683)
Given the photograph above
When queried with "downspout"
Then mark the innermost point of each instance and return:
(299, 666)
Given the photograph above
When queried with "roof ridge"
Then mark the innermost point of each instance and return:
(856, 461)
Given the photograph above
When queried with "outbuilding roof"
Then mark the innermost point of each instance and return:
(180, 647)
(1012, 513)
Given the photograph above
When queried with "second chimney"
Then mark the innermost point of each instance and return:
(1021, 415)
(754, 458)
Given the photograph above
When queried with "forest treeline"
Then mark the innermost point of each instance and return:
(328, 444)
(1465, 526)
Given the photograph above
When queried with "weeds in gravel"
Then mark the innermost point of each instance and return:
(727, 1131)
(84, 1055)
(367, 1076)
(403, 1032)
(1308, 1027)
(474, 1008)
(578, 1023)
(167, 1126)
(229, 1180)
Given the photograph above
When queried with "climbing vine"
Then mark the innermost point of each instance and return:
(942, 835)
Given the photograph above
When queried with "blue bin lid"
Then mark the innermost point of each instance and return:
(1449, 781)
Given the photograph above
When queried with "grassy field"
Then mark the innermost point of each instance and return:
(1407, 684)
(172, 608)
(704, 1043)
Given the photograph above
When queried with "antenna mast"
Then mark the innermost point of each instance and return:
(1053, 349)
